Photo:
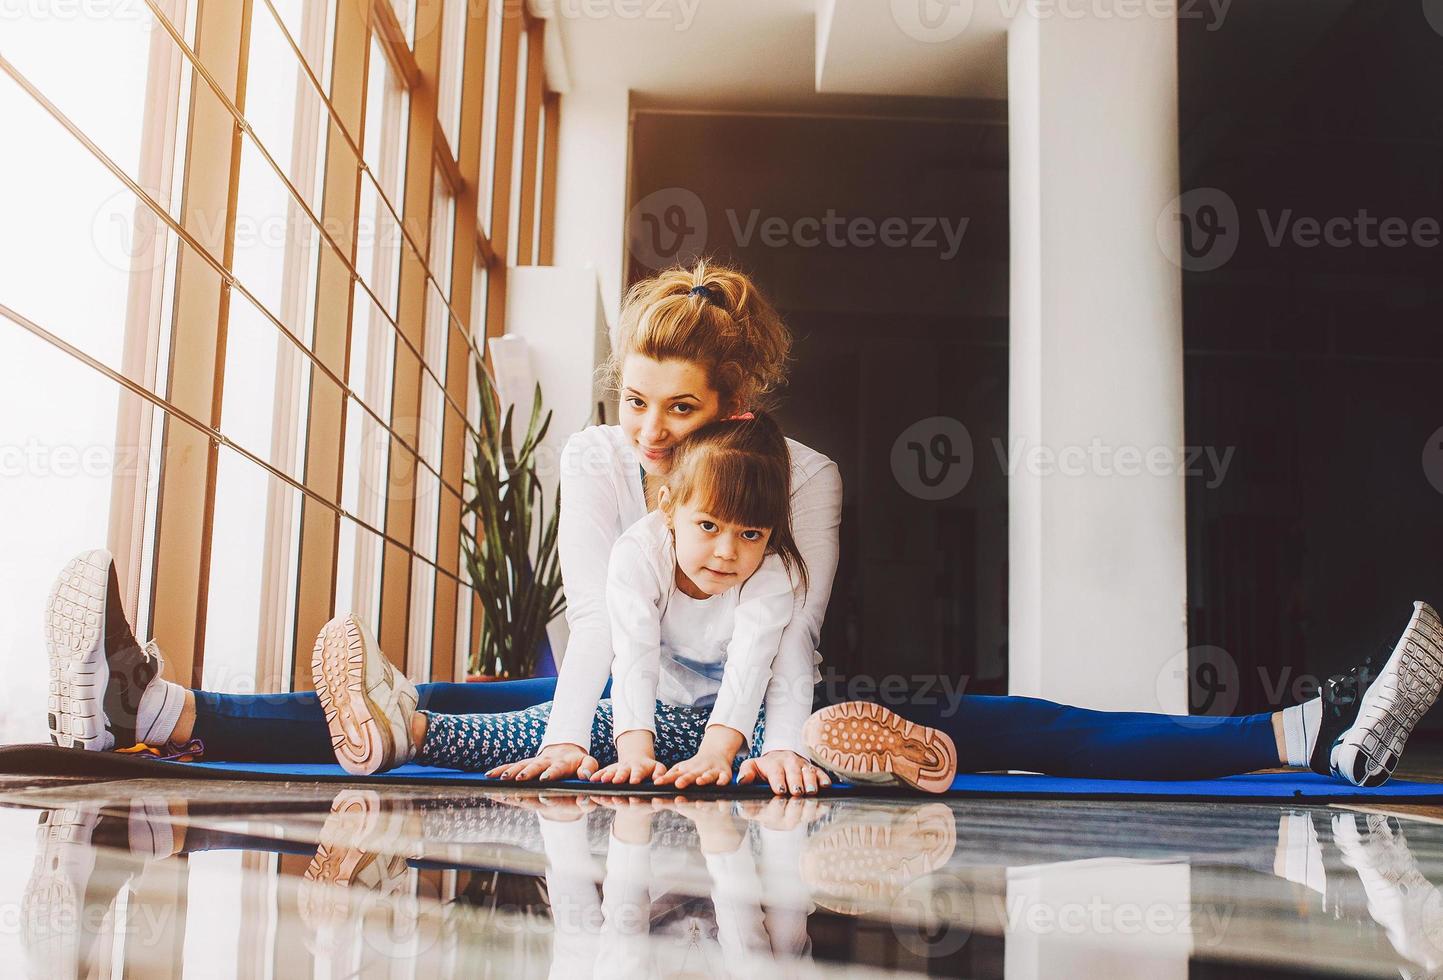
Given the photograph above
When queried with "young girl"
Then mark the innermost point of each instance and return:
(698, 594)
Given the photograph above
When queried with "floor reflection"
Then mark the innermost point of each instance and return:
(149, 878)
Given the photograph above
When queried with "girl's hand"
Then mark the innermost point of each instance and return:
(703, 769)
(788, 773)
(560, 761)
(631, 770)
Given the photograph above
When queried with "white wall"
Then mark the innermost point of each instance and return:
(591, 174)
(558, 313)
(1098, 584)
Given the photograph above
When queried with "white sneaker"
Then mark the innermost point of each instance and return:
(1400, 899)
(1362, 739)
(99, 674)
(368, 702)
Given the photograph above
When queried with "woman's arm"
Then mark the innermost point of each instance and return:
(633, 608)
(816, 517)
(588, 528)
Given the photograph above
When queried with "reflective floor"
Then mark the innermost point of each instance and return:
(215, 879)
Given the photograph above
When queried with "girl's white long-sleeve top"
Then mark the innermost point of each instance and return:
(601, 496)
(715, 652)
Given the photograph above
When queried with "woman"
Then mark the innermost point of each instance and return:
(694, 346)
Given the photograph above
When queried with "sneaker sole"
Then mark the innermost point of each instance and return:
(1368, 752)
(858, 865)
(867, 743)
(360, 735)
(75, 643)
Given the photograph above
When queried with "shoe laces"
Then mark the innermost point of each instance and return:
(1347, 687)
(151, 652)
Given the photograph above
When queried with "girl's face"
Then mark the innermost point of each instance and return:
(661, 402)
(713, 554)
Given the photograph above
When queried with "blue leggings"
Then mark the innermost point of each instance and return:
(990, 732)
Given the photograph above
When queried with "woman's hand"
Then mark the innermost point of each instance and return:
(560, 761)
(788, 773)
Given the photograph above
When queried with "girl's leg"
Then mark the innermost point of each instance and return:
(481, 742)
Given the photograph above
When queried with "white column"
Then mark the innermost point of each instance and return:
(591, 173)
(1097, 550)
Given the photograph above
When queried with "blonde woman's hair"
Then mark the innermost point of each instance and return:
(714, 316)
(739, 470)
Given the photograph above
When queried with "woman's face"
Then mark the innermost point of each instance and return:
(662, 402)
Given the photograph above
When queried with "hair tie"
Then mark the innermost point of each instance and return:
(744, 417)
(702, 291)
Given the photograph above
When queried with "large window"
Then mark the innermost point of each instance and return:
(230, 305)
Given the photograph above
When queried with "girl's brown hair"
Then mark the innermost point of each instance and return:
(740, 471)
(712, 315)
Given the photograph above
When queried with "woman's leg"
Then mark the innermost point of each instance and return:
(1030, 734)
(1041, 736)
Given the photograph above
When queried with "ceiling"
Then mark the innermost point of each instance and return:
(788, 55)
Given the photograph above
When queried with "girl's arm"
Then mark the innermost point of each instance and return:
(763, 611)
(633, 602)
(816, 516)
(588, 527)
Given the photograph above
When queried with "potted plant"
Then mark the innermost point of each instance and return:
(512, 559)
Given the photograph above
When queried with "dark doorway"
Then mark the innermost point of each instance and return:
(1314, 352)
(887, 334)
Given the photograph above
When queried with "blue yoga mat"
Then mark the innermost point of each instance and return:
(1285, 786)
(1280, 787)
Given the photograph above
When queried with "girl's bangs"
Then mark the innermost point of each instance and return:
(738, 488)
